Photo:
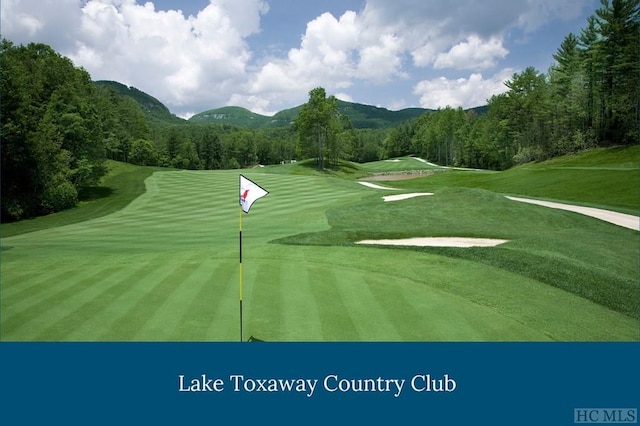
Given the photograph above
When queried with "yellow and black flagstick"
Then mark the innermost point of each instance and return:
(249, 192)
(240, 287)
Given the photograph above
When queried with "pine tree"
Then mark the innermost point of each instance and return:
(618, 26)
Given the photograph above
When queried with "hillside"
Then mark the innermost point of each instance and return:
(152, 107)
(233, 115)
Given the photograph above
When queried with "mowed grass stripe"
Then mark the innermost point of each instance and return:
(335, 320)
(98, 314)
(300, 317)
(85, 307)
(224, 320)
(368, 320)
(29, 321)
(205, 298)
(162, 323)
(144, 298)
(18, 287)
(152, 326)
(264, 304)
(45, 289)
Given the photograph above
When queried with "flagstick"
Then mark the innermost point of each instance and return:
(249, 192)
(240, 273)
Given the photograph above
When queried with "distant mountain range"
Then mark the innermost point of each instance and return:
(361, 116)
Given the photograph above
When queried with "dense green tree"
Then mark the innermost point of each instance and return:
(316, 124)
(368, 145)
(51, 131)
(210, 150)
(528, 115)
(589, 55)
(618, 23)
(143, 153)
(399, 141)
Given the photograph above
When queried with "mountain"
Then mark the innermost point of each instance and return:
(368, 116)
(361, 116)
(153, 108)
(233, 115)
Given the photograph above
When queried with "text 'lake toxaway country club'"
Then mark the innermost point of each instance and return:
(331, 383)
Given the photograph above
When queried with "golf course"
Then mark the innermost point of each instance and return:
(154, 256)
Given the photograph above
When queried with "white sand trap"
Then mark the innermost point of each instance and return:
(422, 160)
(393, 161)
(620, 219)
(437, 242)
(400, 197)
(374, 186)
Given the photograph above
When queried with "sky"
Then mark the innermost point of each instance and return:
(266, 55)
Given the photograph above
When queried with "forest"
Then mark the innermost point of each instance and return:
(58, 127)
(588, 98)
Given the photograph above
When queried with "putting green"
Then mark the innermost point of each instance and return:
(166, 268)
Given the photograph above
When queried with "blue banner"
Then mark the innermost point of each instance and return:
(319, 383)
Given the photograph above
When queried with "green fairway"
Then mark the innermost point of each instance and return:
(165, 267)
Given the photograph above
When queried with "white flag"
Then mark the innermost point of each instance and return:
(249, 192)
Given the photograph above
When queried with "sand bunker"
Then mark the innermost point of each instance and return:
(620, 219)
(375, 186)
(400, 197)
(437, 242)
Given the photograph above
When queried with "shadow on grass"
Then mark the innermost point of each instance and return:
(91, 193)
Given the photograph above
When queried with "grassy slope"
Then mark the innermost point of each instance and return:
(598, 178)
(165, 268)
(123, 183)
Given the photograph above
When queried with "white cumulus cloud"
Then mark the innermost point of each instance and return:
(325, 57)
(472, 53)
(462, 92)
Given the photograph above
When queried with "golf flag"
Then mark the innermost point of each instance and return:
(249, 192)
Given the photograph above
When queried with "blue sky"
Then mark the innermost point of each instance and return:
(265, 55)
